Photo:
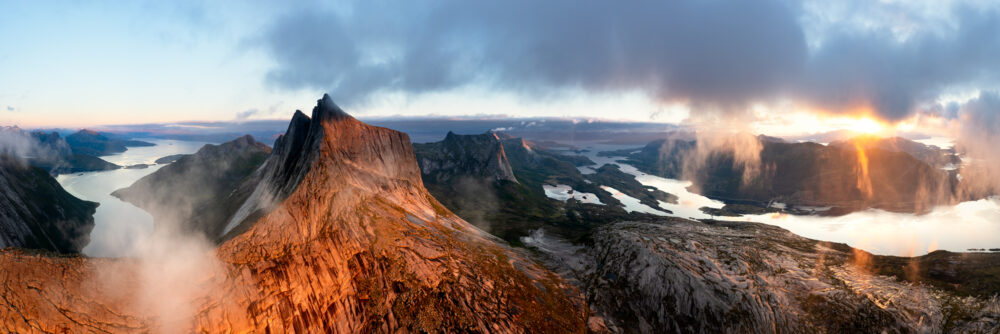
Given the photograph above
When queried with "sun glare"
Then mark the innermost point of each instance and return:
(866, 125)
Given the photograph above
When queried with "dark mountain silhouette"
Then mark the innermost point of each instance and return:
(36, 213)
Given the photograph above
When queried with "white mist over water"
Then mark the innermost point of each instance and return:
(172, 271)
(119, 225)
(564, 192)
(973, 224)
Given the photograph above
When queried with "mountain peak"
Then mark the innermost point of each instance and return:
(477, 156)
(88, 132)
(330, 134)
(327, 109)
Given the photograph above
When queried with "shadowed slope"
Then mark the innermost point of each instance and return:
(36, 212)
(194, 193)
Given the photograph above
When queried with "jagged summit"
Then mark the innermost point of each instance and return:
(476, 156)
(330, 133)
(327, 109)
(342, 202)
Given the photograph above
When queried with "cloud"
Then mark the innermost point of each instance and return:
(713, 52)
(246, 114)
(894, 76)
(714, 55)
(10, 108)
(272, 110)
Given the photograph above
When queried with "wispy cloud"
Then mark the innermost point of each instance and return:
(246, 114)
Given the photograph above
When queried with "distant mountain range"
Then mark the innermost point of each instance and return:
(96, 144)
(78, 152)
(889, 173)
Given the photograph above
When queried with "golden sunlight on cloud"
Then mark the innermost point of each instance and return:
(808, 122)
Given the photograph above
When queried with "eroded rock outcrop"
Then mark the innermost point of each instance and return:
(674, 275)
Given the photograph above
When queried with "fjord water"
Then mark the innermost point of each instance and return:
(118, 225)
(957, 228)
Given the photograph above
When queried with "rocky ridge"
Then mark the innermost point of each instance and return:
(675, 275)
(478, 156)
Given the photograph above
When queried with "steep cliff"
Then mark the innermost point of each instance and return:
(35, 211)
(338, 235)
(471, 176)
(193, 194)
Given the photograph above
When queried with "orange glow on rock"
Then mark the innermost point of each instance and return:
(864, 181)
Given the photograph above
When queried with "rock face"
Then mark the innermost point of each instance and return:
(932, 155)
(470, 175)
(35, 211)
(338, 235)
(682, 276)
(192, 194)
(477, 156)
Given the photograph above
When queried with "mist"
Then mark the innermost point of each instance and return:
(23, 145)
(172, 271)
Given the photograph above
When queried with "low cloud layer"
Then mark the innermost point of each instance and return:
(715, 55)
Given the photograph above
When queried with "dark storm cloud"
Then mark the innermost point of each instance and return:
(981, 116)
(720, 54)
(858, 66)
(706, 51)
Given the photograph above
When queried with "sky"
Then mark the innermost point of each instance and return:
(772, 64)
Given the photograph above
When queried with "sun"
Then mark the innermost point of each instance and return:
(866, 126)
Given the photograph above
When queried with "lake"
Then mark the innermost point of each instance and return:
(118, 225)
